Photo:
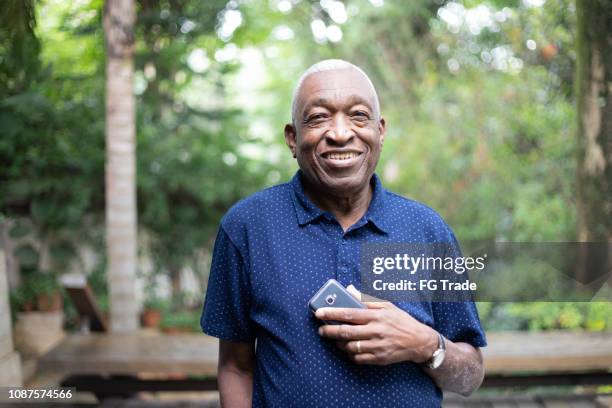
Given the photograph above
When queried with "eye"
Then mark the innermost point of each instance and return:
(315, 118)
(360, 116)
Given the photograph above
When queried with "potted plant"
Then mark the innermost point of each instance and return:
(182, 321)
(48, 294)
(153, 311)
(40, 292)
(39, 324)
(23, 299)
(37, 286)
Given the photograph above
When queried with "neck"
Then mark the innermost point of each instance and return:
(346, 208)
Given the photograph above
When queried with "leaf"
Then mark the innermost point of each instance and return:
(28, 256)
(20, 229)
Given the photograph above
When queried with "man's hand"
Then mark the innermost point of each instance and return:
(385, 334)
(382, 334)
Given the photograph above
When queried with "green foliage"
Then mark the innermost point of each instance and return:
(34, 285)
(161, 305)
(27, 256)
(22, 298)
(52, 147)
(186, 144)
(536, 316)
(19, 46)
(480, 120)
(185, 319)
(43, 283)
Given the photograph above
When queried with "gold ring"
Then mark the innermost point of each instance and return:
(358, 346)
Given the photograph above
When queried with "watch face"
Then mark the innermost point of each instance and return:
(438, 358)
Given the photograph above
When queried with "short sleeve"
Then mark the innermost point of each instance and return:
(227, 302)
(459, 321)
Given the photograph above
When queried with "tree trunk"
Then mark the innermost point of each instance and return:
(121, 240)
(594, 103)
(175, 280)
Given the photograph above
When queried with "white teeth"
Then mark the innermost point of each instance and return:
(342, 156)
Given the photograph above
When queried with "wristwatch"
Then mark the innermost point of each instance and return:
(438, 356)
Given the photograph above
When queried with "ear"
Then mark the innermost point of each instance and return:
(290, 138)
(382, 128)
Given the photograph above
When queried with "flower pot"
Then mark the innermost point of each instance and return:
(38, 332)
(151, 318)
(49, 302)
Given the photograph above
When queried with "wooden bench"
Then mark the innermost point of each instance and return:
(124, 354)
(548, 358)
(118, 365)
(151, 361)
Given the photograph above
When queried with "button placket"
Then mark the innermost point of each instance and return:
(343, 270)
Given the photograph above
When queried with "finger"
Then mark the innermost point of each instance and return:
(345, 314)
(371, 299)
(366, 358)
(376, 305)
(372, 302)
(365, 346)
(342, 345)
(347, 332)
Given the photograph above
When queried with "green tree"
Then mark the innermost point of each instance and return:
(52, 121)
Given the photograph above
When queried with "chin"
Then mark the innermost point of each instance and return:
(347, 185)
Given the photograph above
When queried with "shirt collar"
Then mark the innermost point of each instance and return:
(306, 211)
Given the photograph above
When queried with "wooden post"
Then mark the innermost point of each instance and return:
(10, 362)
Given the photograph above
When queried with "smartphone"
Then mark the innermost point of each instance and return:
(333, 294)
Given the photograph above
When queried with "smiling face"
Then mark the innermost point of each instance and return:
(337, 134)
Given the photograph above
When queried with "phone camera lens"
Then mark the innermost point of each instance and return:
(330, 299)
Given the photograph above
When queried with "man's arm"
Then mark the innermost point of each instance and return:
(462, 370)
(235, 376)
(387, 334)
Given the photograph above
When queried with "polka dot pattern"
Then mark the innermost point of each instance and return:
(274, 250)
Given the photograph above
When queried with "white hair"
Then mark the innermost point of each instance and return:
(331, 65)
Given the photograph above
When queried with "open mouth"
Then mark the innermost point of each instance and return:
(340, 161)
(341, 156)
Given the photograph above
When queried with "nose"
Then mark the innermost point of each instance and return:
(340, 131)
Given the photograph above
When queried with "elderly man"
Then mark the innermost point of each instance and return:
(275, 249)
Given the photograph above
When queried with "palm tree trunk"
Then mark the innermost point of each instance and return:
(594, 100)
(121, 239)
(594, 148)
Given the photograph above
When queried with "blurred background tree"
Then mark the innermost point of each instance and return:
(594, 101)
(479, 98)
(120, 170)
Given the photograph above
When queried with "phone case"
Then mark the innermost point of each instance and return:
(333, 294)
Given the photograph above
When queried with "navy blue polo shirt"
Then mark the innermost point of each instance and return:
(274, 250)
